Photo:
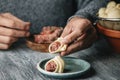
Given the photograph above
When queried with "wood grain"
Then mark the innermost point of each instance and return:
(19, 63)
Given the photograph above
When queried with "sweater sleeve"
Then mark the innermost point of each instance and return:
(88, 8)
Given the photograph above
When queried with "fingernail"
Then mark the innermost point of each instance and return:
(28, 23)
(27, 26)
(27, 34)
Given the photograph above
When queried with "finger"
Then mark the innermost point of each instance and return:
(67, 30)
(6, 22)
(13, 33)
(19, 24)
(10, 16)
(73, 47)
(71, 37)
(16, 23)
(7, 39)
(81, 37)
(4, 46)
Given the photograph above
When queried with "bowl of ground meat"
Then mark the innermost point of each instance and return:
(41, 41)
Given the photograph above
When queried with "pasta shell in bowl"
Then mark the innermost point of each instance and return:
(71, 68)
(55, 65)
(109, 24)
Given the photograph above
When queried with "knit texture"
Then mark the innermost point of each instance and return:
(46, 12)
(19, 62)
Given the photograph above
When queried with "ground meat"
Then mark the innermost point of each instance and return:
(49, 29)
(51, 66)
(48, 34)
(55, 46)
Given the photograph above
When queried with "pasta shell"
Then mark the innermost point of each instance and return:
(114, 13)
(57, 46)
(111, 4)
(101, 11)
(118, 6)
(59, 62)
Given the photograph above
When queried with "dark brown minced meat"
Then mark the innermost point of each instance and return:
(51, 66)
(48, 34)
(55, 46)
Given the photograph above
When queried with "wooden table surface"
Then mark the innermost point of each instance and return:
(19, 63)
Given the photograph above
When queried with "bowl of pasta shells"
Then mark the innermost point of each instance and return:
(109, 24)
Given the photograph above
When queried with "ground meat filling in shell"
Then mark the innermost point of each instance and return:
(51, 66)
(55, 46)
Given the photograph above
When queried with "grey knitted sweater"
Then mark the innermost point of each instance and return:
(19, 63)
(51, 12)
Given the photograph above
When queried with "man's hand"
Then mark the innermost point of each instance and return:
(78, 34)
(11, 28)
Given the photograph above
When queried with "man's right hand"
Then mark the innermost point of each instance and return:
(11, 28)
